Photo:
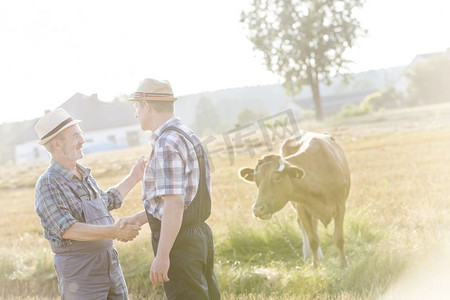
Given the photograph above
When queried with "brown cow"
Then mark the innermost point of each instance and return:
(313, 174)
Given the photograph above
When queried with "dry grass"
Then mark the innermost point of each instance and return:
(397, 213)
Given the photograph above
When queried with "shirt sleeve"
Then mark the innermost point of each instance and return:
(114, 197)
(169, 170)
(52, 208)
(111, 197)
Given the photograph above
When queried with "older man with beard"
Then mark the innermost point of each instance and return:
(74, 213)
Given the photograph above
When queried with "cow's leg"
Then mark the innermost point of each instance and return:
(306, 248)
(339, 235)
(314, 223)
(305, 245)
(313, 238)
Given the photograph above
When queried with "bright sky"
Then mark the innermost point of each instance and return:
(52, 49)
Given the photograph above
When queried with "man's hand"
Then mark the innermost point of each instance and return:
(159, 270)
(135, 175)
(170, 226)
(126, 232)
(131, 220)
(135, 221)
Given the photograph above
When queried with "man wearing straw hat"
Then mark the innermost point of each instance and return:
(177, 198)
(75, 215)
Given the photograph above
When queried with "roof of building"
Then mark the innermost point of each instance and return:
(426, 56)
(95, 115)
(419, 58)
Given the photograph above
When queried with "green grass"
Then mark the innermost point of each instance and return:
(259, 260)
(397, 213)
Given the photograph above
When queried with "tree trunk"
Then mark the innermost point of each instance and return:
(316, 97)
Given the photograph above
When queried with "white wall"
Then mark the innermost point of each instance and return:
(96, 141)
(113, 138)
(30, 152)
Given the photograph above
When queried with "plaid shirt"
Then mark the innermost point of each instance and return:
(59, 208)
(172, 168)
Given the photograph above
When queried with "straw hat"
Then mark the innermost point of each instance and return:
(53, 123)
(153, 90)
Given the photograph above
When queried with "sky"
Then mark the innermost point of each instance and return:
(52, 49)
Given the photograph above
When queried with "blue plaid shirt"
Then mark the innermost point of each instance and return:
(59, 208)
(172, 168)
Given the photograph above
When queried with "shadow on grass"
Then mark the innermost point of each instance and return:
(254, 261)
(255, 258)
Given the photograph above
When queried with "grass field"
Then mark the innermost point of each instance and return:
(396, 227)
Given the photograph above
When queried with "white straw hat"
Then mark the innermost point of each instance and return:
(53, 123)
(153, 90)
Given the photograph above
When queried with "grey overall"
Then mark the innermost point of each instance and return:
(89, 270)
(191, 271)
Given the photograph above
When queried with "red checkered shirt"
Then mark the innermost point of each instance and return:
(172, 168)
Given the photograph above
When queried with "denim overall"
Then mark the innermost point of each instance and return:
(89, 269)
(191, 271)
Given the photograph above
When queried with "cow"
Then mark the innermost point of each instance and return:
(313, 174)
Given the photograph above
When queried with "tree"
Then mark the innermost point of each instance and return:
(304, 41)
(207, 120)
(122, 98)
(428, 82)
(246, 116)
(385, 98)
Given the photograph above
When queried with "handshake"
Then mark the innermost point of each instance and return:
(127, 229)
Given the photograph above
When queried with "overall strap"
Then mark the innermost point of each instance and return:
(200, 207)
(69, 183)
(199, 151)
(77, 191)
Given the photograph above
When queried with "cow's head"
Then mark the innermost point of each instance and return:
(274, 178)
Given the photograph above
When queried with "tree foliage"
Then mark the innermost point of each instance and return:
(304, 41)
(352, 110)
(246, 116)
(429, 81)
(207, 120)
(385, 98)
(10, 132)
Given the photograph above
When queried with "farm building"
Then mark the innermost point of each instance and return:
(105, 125)
(401, 85)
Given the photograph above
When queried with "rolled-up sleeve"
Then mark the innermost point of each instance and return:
(112, 197)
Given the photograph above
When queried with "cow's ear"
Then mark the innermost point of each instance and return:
(295, 172)
(247, 174)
